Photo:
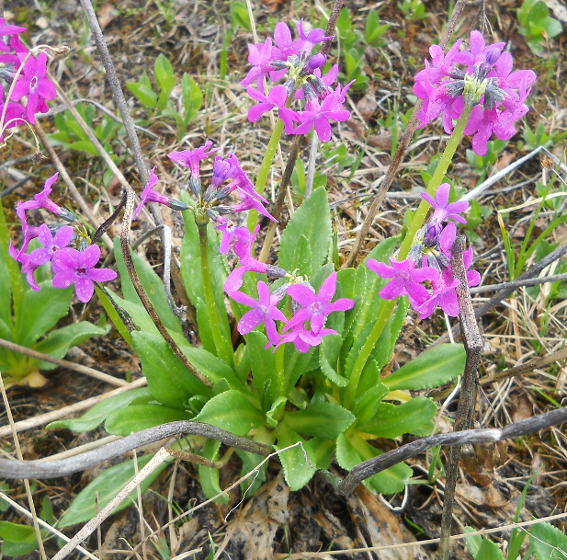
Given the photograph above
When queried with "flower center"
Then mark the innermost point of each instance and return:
(33, 83)
(405, 275)
(264, 309)
(316, 307)
(81, 270)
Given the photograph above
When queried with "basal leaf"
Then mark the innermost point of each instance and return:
(298, 463)
(98, 413)
(413, 417)
(545, 539)
(209, 478)
(325, 420)
(313, 220)
(107, 484)
(330, 351)
(263, 364)
(233, 412)
(367, 403)
(138, 417)
(432, 368)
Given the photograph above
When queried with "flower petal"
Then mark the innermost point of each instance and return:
(84, 288)
(89, 257)
(301, 294)
(250, 320)
(102, 274)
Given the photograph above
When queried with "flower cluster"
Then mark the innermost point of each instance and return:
(429, 260)
(31, 85)
(305, 328)
(294, 61)
(69, 265)
(211, 204)
(487, 83)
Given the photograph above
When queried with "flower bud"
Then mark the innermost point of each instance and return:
(274, 271)
(316, 61)
(224, 210)
(309, 92)
(195, 185)
(177, 205)
(66, 215)
(213, 214)
(492, 56)
(289, 86)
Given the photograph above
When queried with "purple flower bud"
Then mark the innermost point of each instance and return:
(195, 185)
(275, 271)
(492, 56)
(224, 210)
(209, 193)
(177, 205)
(289, 86)
(223, 193)
(213, 214)
(316, 61)
(309, 92)
(319, 86)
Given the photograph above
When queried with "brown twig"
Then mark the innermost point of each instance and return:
(528, 367)
(129, 263)
(400, 152)
(466, 437)
(467, 400)
(64, 467)
(62, 363)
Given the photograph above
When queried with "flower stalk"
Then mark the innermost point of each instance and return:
(222, 346)
(387, 307)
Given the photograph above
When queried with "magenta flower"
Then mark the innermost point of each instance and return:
(223, 169)
(443, 210)
(13, 117)
(444, 296)
(406, 279)
(6, 30)
(446, 240)
(192, 160)
(248, 203)
(74, 267)
(33, 83)
(305, 43)
(276, 98)
(229, 232)
(28, 268)
(149, 195)
(327, 79)
(319, 117)
(316, 306)
(260, 56)
(437, 101)
(442, 64)
(302, 339)
(509, 81)
(477, 50)
(264, 310)
(42, 200)
(51, 244)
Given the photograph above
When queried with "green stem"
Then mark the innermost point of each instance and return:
(387, 307)
(12, 266)
(280, 371)
(224, 347)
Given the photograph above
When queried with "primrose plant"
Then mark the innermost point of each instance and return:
(293, 351)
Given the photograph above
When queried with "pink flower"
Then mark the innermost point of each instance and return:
(223, 169)
(13, 117)
(51, 244)
(328, 79)
(248, 202)
(437, 101)
(305, 43)
(477, 50)
(192, 160)
(6, 30)
(442, 64)
(316, 306)
(302, 339)
(443, 210)
(33, 83)
(28, 268)
(149, 195)
(229, 232)
(260, 56)
(444, 296)
(406, 279)
(276, 98)
(77, 268)
(264, 310)
(319, 117)
(509, 81)
(42, 200)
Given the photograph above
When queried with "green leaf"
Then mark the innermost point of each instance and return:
(114, 316)
(430, 369)
(5, 295)
(330, 351)
(302, 257)
(274, 415)
(489, 551)
(250, 461)
(538, 12)
(552, 27)
(233, 412)
(296, 364)
(545, 539)
(169, 381)
(138, 417)
(475, 542)
(240, 16)
(298, 463)
(313, 220)
(41, 311)
(165, 79)
(324, 420)
(152, 284)
(85, 147)
(413, 417)
(263, 363)
(384, 349)
(14, 532)
(98, 413)
(192, 97)
(374, 30)
(209, 478)
(144, 94)
(107, 484)
(58, 342)
(367, 403)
